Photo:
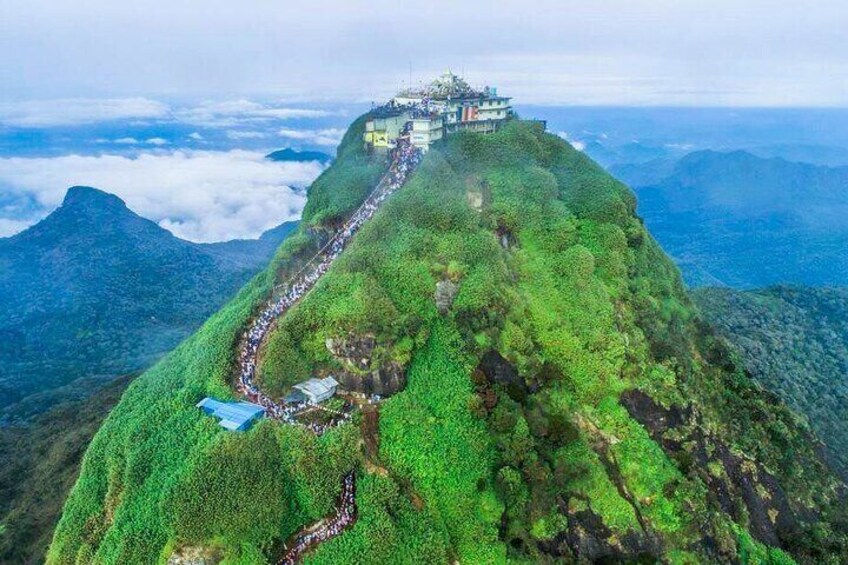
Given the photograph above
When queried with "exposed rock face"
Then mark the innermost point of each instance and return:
(588, 537)
(385, 381)
(475, 199)
(356, 353)
(475, 192)
(739, 485)
(195, 555)
(445, 293)
(353, 351)
(499, 370)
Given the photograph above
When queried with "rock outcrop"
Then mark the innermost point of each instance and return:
(445, 294)
(361, 373)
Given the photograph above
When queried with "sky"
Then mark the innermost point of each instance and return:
(171, 105)
(722, 52)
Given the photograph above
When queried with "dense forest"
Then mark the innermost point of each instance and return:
(564, 403)
(94, 291)
(794, 341)
(39, 464)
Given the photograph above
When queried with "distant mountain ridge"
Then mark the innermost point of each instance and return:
(95, 290)
(735, 219)
(289, 154)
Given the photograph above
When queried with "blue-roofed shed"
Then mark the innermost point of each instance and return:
(234, 416)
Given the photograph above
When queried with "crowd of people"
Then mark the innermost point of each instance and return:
(404, 159)
(336, 418)
(345, 514)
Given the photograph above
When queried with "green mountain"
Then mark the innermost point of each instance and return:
(94, 291)
(738, 220)
(561, 401)
(794, 341)
(289, 154)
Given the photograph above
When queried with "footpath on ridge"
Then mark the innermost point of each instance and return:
(404, 159)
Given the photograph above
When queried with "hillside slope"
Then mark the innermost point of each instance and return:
(95, 291)
(39, 464)
(738, 220)
(794, 341)
(560, 402)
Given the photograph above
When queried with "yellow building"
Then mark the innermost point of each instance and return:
(428, 114)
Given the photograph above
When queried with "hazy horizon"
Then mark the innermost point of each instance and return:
(172, 106)
(639, 52)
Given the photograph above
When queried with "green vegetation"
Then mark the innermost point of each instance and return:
(94, 291)
(735, 219)
(38, 466)
(569, 460)
(794, 341)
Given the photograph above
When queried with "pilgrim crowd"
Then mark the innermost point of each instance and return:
(404, 160)
(345, 514)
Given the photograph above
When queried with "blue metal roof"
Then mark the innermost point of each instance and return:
(234, 415)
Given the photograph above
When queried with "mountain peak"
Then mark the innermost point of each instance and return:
(289, 154)
(88, 197)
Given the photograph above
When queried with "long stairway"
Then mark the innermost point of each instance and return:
(404, 160)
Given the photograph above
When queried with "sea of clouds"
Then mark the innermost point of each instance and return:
(197, 169)
(198, 195)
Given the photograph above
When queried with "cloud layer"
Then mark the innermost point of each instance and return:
(329, 137)
(69, 112)
(197, 195)
(724, 52)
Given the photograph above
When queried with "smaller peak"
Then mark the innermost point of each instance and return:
(90, 196)
(289, 154)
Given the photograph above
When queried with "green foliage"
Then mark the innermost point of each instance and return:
(556, 274)
(794, 341)
(752, 552)
(38, 466)
(388, 530)
(341, 188)
(94, 291)
(430, 437)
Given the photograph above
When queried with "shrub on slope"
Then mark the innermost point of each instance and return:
(612, 425)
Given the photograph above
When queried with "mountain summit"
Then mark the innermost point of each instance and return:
(89, 197)
(94, 290)
(540, 389)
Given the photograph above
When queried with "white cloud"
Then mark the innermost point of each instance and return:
(75, 111)
(575, 143)
(125, 141)
(330, 137)
(195, 136)
(198, 195)
(620, 51)
(235, 134)
(157, 141)
(10, 227)
(231, 113)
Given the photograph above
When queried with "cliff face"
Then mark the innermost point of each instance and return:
(563, 403)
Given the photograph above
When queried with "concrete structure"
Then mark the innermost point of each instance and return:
(428, 114)
(235, 416)
(316, 390)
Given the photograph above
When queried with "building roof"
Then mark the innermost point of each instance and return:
(448, 85)
(233, 415)
(317, 387)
